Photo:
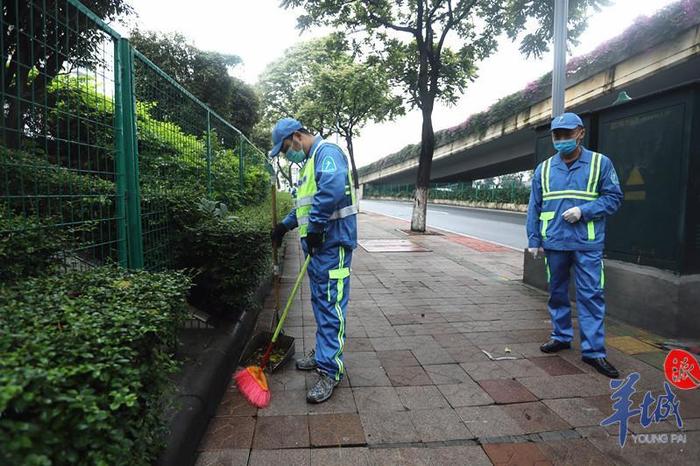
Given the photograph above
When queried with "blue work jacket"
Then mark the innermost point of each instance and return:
(331, 169)
(591, 184)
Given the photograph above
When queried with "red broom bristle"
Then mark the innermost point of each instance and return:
(252, 384)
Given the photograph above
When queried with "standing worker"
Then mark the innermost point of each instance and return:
(572, 193)
(326, 214)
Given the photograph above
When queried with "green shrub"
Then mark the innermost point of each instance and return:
(34, 176)
(459, 192)
(86, 359)
(231, 253)
(26, 249)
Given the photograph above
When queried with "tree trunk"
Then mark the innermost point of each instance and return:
(351, 153)
(420, 198)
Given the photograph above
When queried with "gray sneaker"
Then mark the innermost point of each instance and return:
(307, 363)
(322, 390)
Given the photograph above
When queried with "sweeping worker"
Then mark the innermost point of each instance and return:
(572, 193)
(326, 214)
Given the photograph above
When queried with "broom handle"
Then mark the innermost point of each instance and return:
(300, 277)
(266, 357)
(275, 255)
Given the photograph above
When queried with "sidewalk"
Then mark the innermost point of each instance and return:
(420, 390)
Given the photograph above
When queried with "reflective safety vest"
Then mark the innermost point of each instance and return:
(590, 194)
(306, 192)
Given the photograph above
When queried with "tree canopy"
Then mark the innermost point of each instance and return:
(431, 48)
(205, 74)
(325, 86)
(37, 46)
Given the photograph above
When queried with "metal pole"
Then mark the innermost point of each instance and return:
(208, 154)
(120, 160)
(241, 164)
(128, 148)
(561, 15)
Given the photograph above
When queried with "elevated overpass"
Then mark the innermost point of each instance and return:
(509, 145)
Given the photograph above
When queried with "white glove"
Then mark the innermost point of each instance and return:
(535, 252)
(572, 215)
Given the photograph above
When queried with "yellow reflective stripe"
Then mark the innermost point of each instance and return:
(351, 187)
(571, 191)
(591, 173)
(545, 217)
(545, 176)
(542, 182)
(546, 268)
(339, 312)
(593, 188)
(339, 274)
(570, 196)
(591, 231)
(602, 274)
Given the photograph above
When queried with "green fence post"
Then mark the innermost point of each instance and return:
(241, 165)
(127, 150)
(120, 162)
(208, 154)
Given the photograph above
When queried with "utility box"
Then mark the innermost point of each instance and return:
(654, 148)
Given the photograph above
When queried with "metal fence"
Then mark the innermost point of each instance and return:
(94, 137)
(513, 194)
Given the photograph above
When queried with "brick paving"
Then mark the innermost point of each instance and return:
(419, 388)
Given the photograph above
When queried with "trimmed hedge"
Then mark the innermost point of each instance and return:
(230, 252)
(86, 360)
(501, 195)
(25, 247)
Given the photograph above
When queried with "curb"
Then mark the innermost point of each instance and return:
(202, 392)
(205, 385)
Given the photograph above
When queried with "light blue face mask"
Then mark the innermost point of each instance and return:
(565, 146)
(295, 156)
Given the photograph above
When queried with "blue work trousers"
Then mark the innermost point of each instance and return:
(329, 274)
(590, 301)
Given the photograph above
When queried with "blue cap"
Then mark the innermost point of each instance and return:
(284, 128)
(566, 121)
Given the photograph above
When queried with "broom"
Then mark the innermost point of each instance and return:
(251, 380)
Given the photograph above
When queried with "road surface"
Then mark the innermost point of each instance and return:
(507, 228)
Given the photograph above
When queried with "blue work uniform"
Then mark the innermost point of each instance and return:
(591, 184)
(333, 211)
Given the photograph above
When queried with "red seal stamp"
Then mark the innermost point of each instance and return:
(682, 369)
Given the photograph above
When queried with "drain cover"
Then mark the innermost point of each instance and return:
(391, 245)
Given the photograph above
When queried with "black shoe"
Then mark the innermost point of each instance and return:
(322, 390)
(307, 363)
(552, 346)
(603, 366)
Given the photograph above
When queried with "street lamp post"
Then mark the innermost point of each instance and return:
(561, 14)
